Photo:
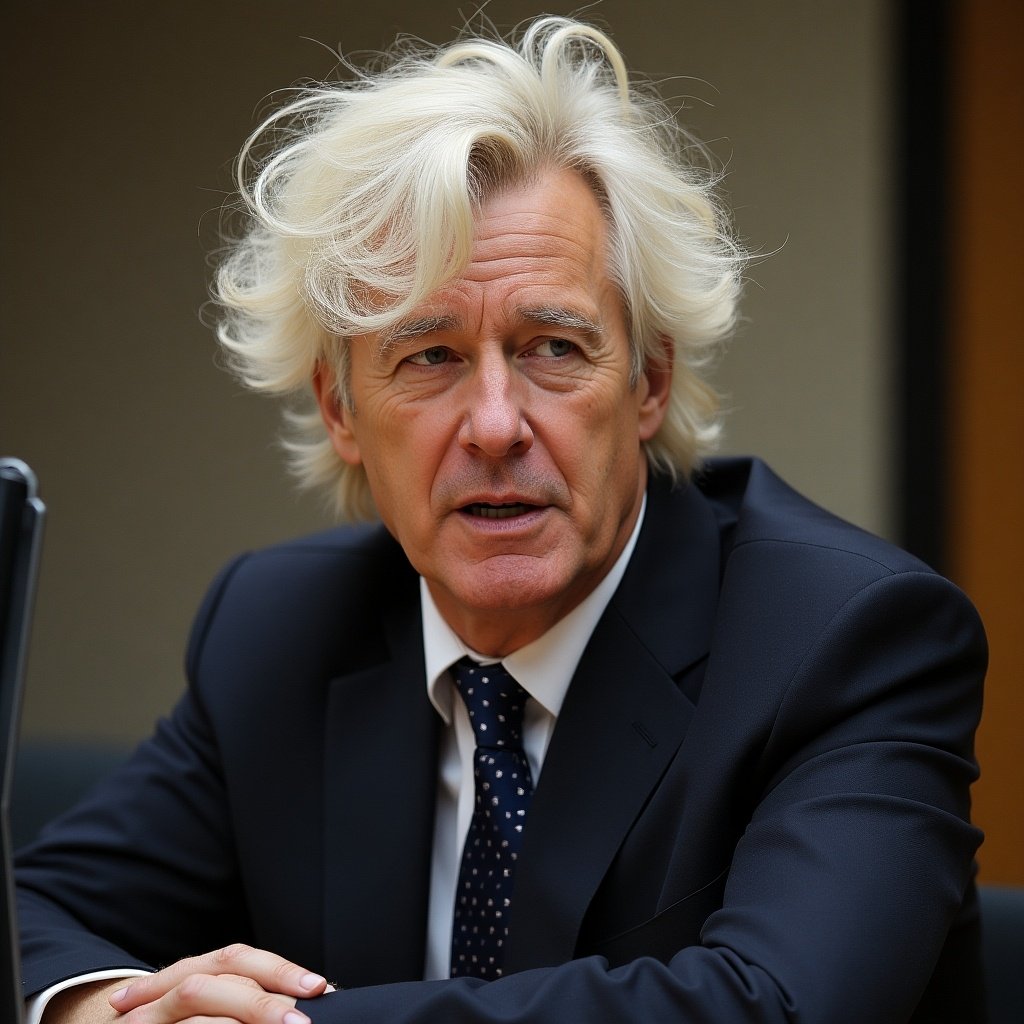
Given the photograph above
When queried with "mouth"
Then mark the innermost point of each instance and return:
(507, 510)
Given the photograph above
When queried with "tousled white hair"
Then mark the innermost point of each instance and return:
(368, 189)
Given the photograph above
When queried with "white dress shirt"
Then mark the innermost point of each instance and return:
(544, 668)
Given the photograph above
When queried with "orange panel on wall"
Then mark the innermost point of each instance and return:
(987, 396)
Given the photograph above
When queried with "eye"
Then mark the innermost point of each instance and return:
(434, 356)
(555, 347)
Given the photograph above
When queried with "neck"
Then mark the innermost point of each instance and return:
(496, 636)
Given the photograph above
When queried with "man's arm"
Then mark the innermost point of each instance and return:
(88, 1003)
(39, 1006)
(146, 859)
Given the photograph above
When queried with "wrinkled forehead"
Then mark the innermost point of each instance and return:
(545, 234)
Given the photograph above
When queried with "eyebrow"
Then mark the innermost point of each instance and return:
(405, 330)
(558, 316)
(550, 316)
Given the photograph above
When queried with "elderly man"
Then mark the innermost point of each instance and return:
(583, 729)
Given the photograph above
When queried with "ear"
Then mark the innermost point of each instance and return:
(337, 419)
(656, 387)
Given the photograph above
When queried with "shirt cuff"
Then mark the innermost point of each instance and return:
(35, 1006)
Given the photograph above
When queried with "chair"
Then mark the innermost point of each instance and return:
(1002, 931)
(51, 775)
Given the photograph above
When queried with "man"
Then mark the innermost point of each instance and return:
(734, 783)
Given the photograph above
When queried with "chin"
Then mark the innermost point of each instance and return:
(509, 583)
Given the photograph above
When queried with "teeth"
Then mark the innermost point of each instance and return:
(497, 511)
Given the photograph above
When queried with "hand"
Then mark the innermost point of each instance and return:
(251, 986)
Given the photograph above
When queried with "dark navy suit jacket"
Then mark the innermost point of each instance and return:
(754, 806)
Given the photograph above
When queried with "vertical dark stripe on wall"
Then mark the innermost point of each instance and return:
(922, 300)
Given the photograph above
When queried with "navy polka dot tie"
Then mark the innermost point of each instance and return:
(501, 773)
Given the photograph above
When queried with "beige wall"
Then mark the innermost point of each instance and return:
(121, 123)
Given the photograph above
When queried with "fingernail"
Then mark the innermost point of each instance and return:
(294, 1017)
(119, 995)
(309, 981)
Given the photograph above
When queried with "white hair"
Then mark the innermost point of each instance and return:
(361, 198)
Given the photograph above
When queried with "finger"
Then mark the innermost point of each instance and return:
(242, 980)
(268, 970)
(217, 997)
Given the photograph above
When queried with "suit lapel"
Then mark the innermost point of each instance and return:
(622, 722)
(380, 790)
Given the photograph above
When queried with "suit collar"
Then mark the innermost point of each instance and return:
(669, 594)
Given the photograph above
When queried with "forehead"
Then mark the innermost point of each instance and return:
(540, 246)
(553, 220)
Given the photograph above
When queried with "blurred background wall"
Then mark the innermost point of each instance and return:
(121, 123)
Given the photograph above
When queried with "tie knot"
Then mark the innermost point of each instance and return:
(495, 702)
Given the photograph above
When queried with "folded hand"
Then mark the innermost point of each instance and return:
(239, 983)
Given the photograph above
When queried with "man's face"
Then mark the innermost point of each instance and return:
(497, 426)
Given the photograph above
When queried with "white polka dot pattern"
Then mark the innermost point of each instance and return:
(483, 899)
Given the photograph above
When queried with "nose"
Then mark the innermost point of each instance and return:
(494, 422)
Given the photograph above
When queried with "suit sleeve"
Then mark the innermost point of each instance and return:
(851, 867)
(143, 869)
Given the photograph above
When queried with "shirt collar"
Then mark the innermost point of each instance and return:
(544, 667)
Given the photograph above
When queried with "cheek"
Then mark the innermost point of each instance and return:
(408, 454)
(585, 434)
(617, 456)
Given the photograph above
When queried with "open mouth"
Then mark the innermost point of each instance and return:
(483, 510)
